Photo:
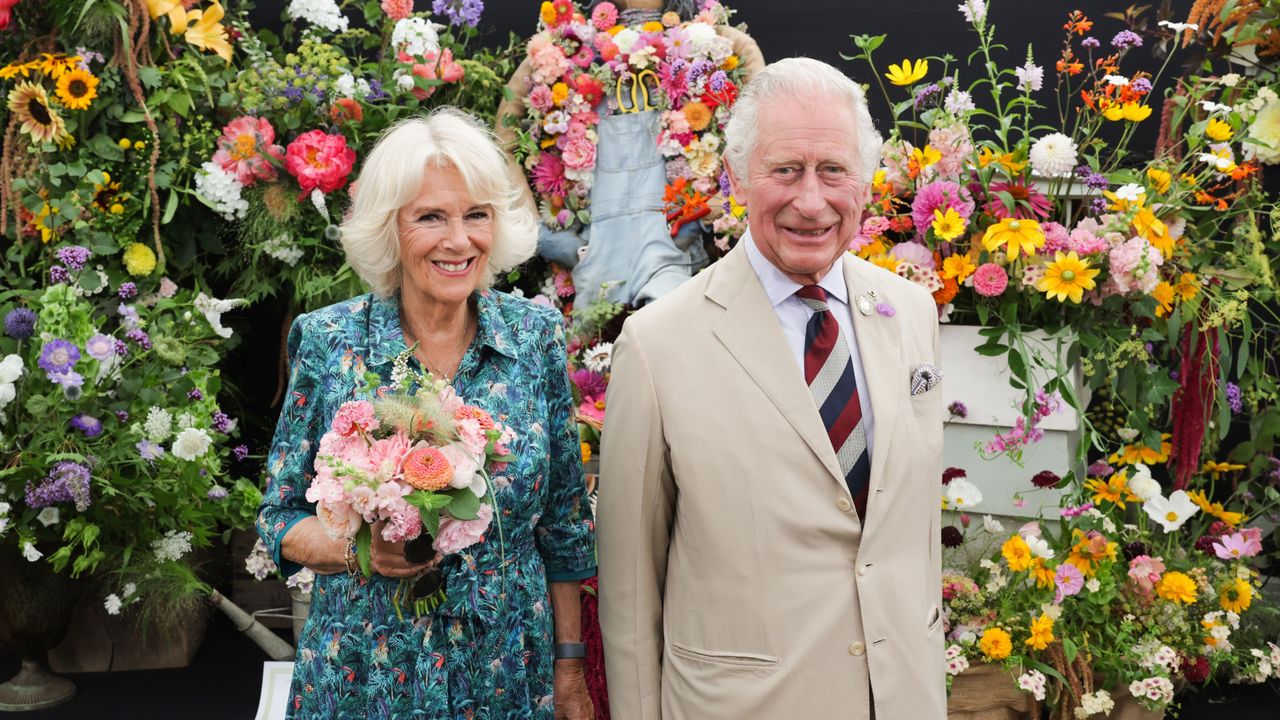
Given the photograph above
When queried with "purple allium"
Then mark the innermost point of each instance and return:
(1090, 42)
(195, 394)
(100, 347)
(1234, 399)
(459, 12)
(958, 409)
(58, 356)
(128, 316)
(149, 450)
(20, 323)
(128, 291)
(121, 348)
(66, 482)
(241, 452)
(122, 416)
(90, 426)
(1126, 39)
(59, 275)
(1142, 85)
(1100, 469)
(140, 337)
(222, 422)
(74, 256)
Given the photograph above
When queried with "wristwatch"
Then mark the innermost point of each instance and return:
(570, 651)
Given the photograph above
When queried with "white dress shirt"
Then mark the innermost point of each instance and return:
(793, 314)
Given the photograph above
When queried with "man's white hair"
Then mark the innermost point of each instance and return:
(803, 78)
(392, 177)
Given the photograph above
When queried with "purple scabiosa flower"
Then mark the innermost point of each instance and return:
(19, 323)
(952, 473)
(217, 492)
(459, 12)
(1045, 479)
(958, 409)
(240, 452)
(122, 416)
(67, 380)
(87, 424)
(1141, 85)
(58, 356)
(66, 482)
(140, 337)
(195, 394)
(1090, 42)
(100, 347)
(1126, 39)
(222, 422)
(74, 256)
(58, 275)
(149, 451)
(1234, 398)
(127, 291)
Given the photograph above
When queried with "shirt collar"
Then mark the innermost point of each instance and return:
(386, 337)
(778, 287)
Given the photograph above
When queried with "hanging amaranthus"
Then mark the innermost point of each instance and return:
(1194, 399)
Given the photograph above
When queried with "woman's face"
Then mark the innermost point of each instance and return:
(445, 239)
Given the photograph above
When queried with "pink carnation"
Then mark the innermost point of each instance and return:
(319, 161)
(397, 9)
(457, 535)
(939, 195)
(604, 16)
(548, 60)
(403, 523)
(245, 149)
(990, 280)
(355, 416)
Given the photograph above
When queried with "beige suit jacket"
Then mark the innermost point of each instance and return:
(736, 581)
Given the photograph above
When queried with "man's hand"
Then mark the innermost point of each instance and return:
(571, 699)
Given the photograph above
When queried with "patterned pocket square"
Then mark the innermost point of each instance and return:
(924, 378)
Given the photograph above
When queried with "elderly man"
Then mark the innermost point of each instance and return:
(769, 514)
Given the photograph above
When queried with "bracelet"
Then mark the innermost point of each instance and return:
(349, 557)
(569, 651)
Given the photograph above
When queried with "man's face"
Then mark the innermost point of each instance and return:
(803, 194)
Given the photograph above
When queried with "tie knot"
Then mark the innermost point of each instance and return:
(813, 296)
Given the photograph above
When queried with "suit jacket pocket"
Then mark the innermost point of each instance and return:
(935, 619)
(731, 659)
(927, 401)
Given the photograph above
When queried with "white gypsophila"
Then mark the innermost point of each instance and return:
(220, 190)
(321, 13)
(599, 357)
(212, 308)
(1142, 484)
(191, 443)
(1230, 80)
(1039, 547)
(112, 604)
(284, 249)
(172, 546)
(1053, 155)
(158, 425)
(992, 525)
(960, 494)
(259, 563)
(416, 36)
(1030, 77)
(49, 516)
(974, 11)
(1177, 26)
(30, 552)
(1117, 80)
(958, 102)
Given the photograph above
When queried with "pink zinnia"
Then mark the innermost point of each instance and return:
(990, 280)
(244, 148)
(604, 16)
(1028, 202)
(397, 9)
(939, 195)
(578, 153)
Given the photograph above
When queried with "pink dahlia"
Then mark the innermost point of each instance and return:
(245, 149)
(990, 280)
(1028, 204)
(1056, 238)
(319, 161)
(939, 195)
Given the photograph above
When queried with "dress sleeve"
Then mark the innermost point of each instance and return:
(293, 449)
(566, 531)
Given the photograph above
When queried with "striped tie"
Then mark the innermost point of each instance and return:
(828, 370)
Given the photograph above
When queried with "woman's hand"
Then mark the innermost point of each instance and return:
(387, 558)
(571, 699)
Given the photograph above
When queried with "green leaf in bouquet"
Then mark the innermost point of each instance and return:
(464, 506)
(38, 405)
(431, 521)
(427, 500)
(364, 539)
(1069, 649)
(90, 281)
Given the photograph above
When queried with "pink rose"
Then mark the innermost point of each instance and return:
(466, 469)
(457, 535)
(339, 519)
(540, 98)
(319, 161)
(244, 150)
(364, 500)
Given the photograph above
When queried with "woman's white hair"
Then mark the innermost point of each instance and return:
(797, 78)
(392, 177)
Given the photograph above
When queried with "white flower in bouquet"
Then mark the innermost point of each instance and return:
(959, 102)
(213, 308)
(10, 370)
(1097, 703)
(1030, 76)
(349, 86)
(172, 546)
(158, 425)
(1033, 682)
(626, 40)
(1171, 512)
(30, 552)
(49, 516)
(112, 603)
(321, 13)
(220, 190)
(259, 563)
(416, 36)
(284, 249)
(991, 525)
(1230, 80)
(974, 11)
(599, 358)
(1177, 26)
(956, 661)
(191, 444)
(1132, 192)
(1265, 129)
(303, 580)
(1213, 107)
(1157, 689)
(1117, 80)
(1093, 585)
(1053, 155)
(1142, 484)
(1039, 547)
(960, 494)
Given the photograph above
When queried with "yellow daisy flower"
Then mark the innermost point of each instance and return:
(1218, 130)
(1236, 596)
(1164, 298)
(948, 226)
(1115, 490)
(1023, 236)
(1017, 553)
(906, 73)
(1136, 453)
(1215, 508)
(77, 89)
(1188, 286)
(886, 261)
(995, 644)
(1067, 277)
(1160, 179)
(1177, 587)
(1154, 230)
(1133, 112)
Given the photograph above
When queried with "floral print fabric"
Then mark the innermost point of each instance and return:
(486, 653)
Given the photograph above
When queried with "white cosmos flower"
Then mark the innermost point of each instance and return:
(1171, 512)
(1130, 192)
(991, 524)
(1142, 484)
(1039, 547)
(961, 495)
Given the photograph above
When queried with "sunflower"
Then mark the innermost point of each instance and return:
(105, 193)
(30, 105)
(77, 89)
(1067, 277)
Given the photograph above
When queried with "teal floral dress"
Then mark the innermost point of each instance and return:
(486, 653)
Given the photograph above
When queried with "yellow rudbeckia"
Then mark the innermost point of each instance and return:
(906, 73)
(1019, 236)
(1067, 277)
(948, 226)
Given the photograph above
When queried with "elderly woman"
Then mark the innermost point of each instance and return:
(435, 219)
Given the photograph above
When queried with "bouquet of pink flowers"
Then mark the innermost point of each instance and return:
(417, 460)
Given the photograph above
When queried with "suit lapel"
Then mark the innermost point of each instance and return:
(750, 332)
(887, 377)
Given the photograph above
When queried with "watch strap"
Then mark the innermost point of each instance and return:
(570, 651)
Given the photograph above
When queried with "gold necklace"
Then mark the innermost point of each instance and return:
(455, 357)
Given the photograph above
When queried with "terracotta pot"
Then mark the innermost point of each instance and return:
(35, 611)
(987, 692)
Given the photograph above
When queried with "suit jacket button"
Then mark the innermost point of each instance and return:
(857, 648)
(844, 504)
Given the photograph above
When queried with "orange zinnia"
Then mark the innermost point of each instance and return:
(426, 468)
(698, 115)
